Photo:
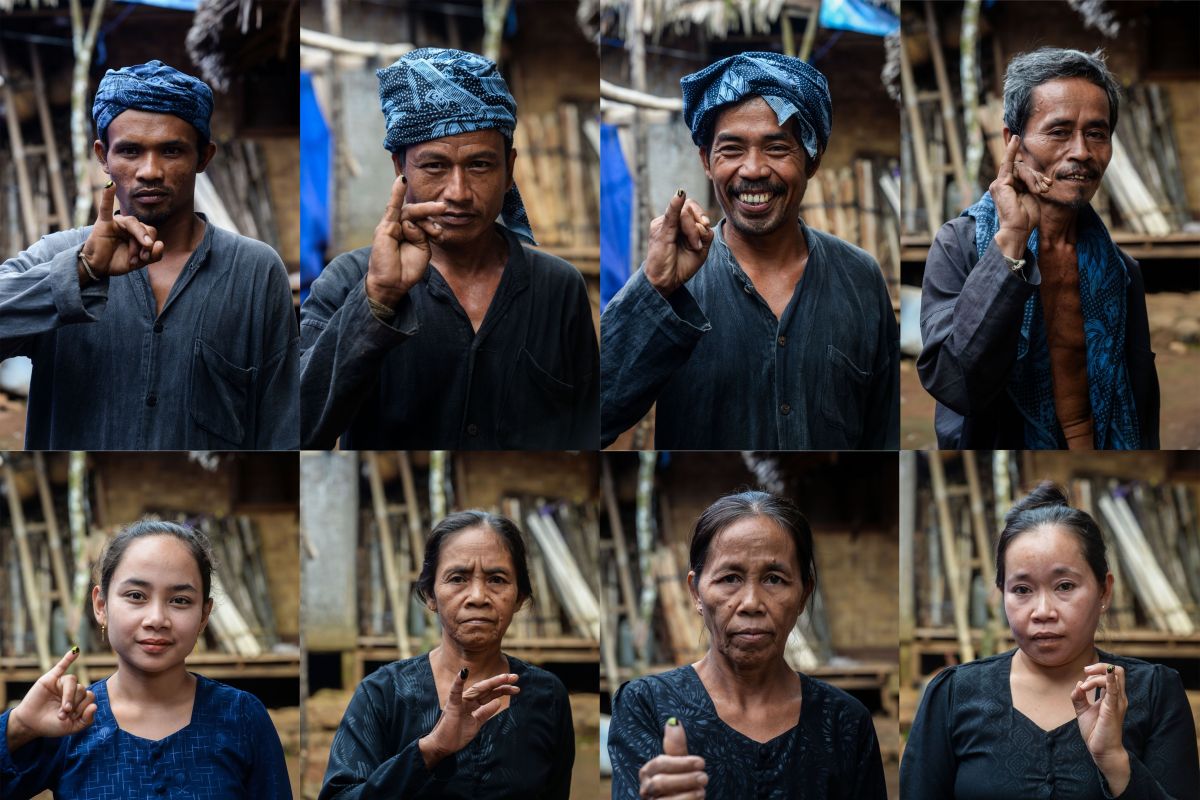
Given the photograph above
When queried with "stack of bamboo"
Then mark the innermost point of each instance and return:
(558, 171)
(860, 205)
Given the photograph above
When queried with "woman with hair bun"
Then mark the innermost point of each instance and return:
(151, 729)
(1056, 717)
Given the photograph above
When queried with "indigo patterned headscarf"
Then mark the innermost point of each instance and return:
(1103, 279)
(791, 87)
(433, 92)
(153, 87)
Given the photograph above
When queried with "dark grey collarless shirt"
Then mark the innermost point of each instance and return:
(217, 369)
(728, 375)
(527, 380)
(968, 742)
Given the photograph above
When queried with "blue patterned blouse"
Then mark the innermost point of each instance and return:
(523, 753)
(831, 752)
(229, 750)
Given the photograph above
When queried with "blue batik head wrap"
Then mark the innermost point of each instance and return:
(791, 87)
(433, 92)
(153, 87)
(1103, 280)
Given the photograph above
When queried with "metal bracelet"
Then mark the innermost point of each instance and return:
(87, 267)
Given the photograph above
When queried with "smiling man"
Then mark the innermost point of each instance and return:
(447, 332)
(761, 333)
(153, 329)
(1033, 321)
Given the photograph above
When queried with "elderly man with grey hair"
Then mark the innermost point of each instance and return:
(1033, 321)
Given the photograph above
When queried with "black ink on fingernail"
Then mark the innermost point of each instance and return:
(463, 673)
(403, 179)
(75, 649)
(679, 193)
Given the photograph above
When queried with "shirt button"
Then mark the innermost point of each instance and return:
(782, 341)
(472, 429)
(158, 327)
(749, 289)
(152, 400)
(785, 409)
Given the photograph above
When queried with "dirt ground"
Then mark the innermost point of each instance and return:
(1178, 378)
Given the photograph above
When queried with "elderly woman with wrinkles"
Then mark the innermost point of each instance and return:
(740, 722)
(1056, 717)
(464, 720)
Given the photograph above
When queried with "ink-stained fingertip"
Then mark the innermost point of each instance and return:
(680, 193)
(108, 185)
(672, 722)
(75, 649)
(1109, 669)
(463, 673)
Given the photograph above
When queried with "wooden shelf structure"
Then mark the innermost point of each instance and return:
(1173, 246)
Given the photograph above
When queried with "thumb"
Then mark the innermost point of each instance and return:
(674, 739)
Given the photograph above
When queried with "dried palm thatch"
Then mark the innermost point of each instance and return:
(718, 17)
(229, 37)
(8, 5)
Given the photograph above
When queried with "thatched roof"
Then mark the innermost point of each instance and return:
(229, 37)
(718, 17)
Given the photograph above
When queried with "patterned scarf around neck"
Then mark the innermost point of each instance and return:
(1103, 279)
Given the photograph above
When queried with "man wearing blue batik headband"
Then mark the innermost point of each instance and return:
(1033, 323)
(153, 329)
(448, 332)
(760, 332)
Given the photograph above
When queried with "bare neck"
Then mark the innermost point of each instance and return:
(450, 656)
(1059, 225)
(473, 258)
(782, 249)
(129, 684)
(770, 682)
(1026, 668)
(181, 233)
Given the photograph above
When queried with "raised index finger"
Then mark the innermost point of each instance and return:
(60, 669)
(107, 197)
(396, 201)
(1010, 155)
(670, 224)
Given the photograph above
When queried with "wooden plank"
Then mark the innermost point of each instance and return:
(917, 131)
(387, 553)
(958, 598)
(41, 626)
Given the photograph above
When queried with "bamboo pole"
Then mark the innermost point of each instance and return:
(628, 598)
(41, 627)
(917, 138)
(950, 557)
(24, 187)
(949, 115)
(387, 552)
(71, 612)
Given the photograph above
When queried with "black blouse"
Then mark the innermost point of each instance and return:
(831, 752)
(969, 743)
(525, 751)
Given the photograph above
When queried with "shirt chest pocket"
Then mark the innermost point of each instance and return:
(844, 395)
(221, 394)
(541, 404)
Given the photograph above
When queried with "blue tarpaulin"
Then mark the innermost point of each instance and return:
(616, 206)
(315, 147)
(178, 5)
(858, 15)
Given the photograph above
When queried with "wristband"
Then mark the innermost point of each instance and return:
(87, 267)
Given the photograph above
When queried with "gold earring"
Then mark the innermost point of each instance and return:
(103, 631)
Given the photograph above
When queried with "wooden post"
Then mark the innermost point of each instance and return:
(24, 188)
(387, 552)
(57, 190)
(70, 612)
(950, 558)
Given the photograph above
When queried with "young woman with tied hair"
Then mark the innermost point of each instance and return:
(151, 729)
(1056, 717)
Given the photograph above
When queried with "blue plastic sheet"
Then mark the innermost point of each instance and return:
(315, 145)
(616, 207)
(178, 5)
(858, 15)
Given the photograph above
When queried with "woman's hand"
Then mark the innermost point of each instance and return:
(465, 713)
(56, 706)
(1100, 721)
(674, 775)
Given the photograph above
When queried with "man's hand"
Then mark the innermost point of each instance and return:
(400, 251)
(1015, 193)
(118, 246)
(674, 774)
(679, 241)
(55, 706)
(465, 713)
